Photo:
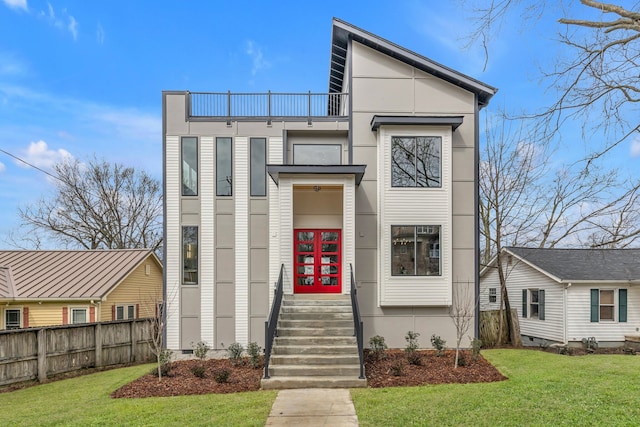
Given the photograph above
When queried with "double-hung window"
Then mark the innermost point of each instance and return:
(493, 295)
(603, 305)
(416, 161)
(12, 319)
(415, 250)
(533, 304)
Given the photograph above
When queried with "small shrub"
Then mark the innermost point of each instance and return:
(476, 345)
(439, 344)
(198, 370)
(378, 347)
(397, 369)
(200, 349)
(235, 351)
(221, 375)
(412, 345)
(253, 350)
(165, 362)
(462, 358)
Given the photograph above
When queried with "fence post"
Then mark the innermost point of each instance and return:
(41, 338)
(133, 340)
(98, 338)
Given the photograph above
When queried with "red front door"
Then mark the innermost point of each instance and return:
(317, 261)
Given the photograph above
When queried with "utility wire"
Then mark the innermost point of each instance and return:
(31, 165)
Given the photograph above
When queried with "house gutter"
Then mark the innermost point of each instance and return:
(91, 300)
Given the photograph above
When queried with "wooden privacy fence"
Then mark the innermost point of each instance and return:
(490, 327)
(37, 353)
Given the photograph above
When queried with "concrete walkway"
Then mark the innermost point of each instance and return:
(313, 407)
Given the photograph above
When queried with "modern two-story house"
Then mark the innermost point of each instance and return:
(377, 178)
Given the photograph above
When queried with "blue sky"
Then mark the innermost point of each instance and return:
(79, 78)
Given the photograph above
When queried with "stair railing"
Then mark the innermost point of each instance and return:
(270, 326)
(358, 326)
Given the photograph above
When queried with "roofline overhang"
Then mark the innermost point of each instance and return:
(275, 171)
(95, 299)
(343, 31)
(453, 121)
(601, 282)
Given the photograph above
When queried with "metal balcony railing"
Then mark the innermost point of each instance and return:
(267, 105)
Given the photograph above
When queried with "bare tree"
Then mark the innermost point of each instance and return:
(98, 206)
(462, 313)
(597, 82)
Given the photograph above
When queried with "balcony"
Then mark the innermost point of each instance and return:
(268, 106)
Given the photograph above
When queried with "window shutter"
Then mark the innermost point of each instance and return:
(65, 315)
(524, 303)
(595, 305)
(541, 304)
(622, 305)
(137, 311)
(113, 312)
(25, 317)
(92, 314)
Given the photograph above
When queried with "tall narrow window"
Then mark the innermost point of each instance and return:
(415, 250)
(416, 161)
(190, 255)
(258, 166)
(224, 167)
(607, 307)
(189, 166)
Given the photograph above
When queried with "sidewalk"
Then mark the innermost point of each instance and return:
(313, 407)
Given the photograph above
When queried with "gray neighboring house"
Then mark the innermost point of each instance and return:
(565, 295)
(377, 177)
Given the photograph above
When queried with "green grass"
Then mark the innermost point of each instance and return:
(85, 401)
(543, 389)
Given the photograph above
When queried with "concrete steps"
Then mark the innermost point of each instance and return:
(315, 346)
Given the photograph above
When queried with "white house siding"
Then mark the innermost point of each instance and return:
(274, 155)
(172, 245)
(489, 279)
(579, 314)
(414, 206)
(521, 276)
(241, 190)
(207, 238)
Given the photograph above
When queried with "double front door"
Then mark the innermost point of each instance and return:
(317, 259)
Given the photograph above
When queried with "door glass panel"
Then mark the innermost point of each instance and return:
(305, 259)
(305, 281)
(329, 236)
(329, 281)
(305, 235)
(329, 247)
(305, 247)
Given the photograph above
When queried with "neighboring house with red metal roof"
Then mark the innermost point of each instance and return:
(43, 288)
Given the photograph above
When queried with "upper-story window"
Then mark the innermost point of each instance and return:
(317, 154)
(416, 161)
(258, 166)
(189, 166)
(224, 167)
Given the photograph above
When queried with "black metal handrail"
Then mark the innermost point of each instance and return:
(268, 105)
(358, 326)
(270, 326)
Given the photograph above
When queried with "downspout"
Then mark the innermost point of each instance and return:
(476, 215)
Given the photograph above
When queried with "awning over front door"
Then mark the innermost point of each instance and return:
(356, 170)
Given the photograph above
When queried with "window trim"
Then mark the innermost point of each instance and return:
(125, 311)
(19, 310)
(415, 248)
(527, 304)
(493, 295)
(86, 315)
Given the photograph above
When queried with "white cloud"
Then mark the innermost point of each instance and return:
(635, 147)
(2, 167)
(73, 27)
(100, 34)
(38, 154)
(16, 4)
(255, 53)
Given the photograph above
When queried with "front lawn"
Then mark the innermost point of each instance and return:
(85, 401)
(543, 389)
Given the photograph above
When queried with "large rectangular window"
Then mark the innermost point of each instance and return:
(258, 166)
(189, 166)
(224, 167)
(416, 161)
(317, 154)
(78, 315)
(190, 255)
(12, 319)
(415, 250)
